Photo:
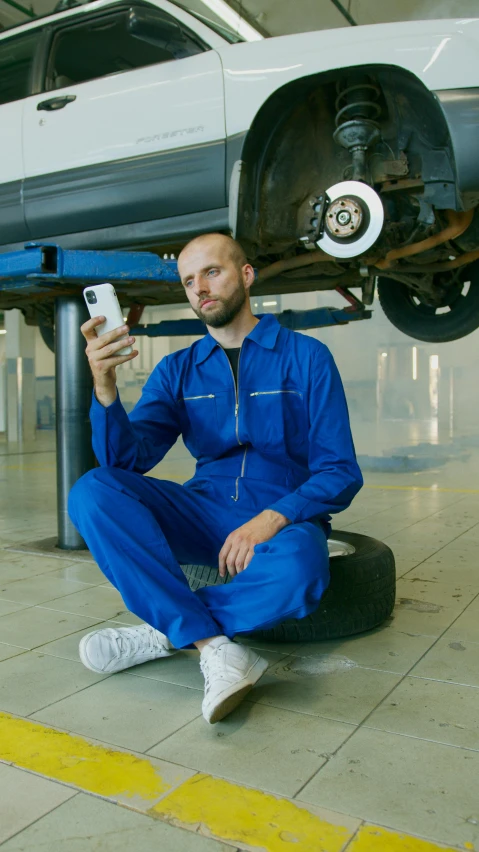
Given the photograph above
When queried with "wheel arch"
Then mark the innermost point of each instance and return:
(282, 116)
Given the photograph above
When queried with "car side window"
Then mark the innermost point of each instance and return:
(117, 42)
(16, 59)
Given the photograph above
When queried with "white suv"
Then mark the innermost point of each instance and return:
(337, 158)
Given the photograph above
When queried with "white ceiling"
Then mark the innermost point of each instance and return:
(279, 17)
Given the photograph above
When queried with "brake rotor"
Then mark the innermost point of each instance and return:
(353, 220)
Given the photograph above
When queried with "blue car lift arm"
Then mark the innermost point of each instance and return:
(45, 267)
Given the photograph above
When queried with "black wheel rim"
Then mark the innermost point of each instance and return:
(454, 301)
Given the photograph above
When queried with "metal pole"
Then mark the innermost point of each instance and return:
(345, 13)
(28, 12)
(73, 388)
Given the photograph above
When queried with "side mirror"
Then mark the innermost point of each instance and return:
(149, 25)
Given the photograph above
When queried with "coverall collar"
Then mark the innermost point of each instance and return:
(265, 333)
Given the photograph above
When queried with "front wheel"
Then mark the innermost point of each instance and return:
(456, 316)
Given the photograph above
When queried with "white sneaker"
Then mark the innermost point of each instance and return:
(230, 670)
(111, 650)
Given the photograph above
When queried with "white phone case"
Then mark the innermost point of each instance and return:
(106, 305)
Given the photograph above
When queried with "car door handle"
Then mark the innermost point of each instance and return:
(56, 103)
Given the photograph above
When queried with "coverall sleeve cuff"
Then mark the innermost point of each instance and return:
(293, 507)
(98, 411)
(108, 424)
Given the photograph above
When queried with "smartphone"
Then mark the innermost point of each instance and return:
(102, 301)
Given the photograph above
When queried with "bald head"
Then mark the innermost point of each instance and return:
(226, 246)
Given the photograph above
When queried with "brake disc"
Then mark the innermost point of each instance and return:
(353, 220)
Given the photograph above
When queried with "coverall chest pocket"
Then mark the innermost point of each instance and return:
(200, 420)
(279, 418)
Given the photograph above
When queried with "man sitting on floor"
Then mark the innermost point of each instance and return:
(262, 410)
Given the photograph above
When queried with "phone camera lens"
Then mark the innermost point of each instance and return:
(91, 297)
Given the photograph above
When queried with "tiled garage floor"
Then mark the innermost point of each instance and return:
(381, 727)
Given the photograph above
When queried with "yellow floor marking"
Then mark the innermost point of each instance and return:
(231, 812)
(370, 838)
(431, 488)
(204, 804)
(73, 760)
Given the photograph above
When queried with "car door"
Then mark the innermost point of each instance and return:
(16, 60)
(130, 126)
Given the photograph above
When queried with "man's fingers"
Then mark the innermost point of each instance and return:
(248, 557)
(101, 353)
(241, 555)
(235, 555)
(102, 340)
(88, 328)
(122, 358)
(235, 558)
(231, 556)
(222, 557)
(108, 363)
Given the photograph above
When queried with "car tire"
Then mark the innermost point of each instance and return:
(408, 314)
(360, 595)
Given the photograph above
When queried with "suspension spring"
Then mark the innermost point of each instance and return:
(357, 109)
(356, 102)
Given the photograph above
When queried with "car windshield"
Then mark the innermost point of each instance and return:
(222, 30)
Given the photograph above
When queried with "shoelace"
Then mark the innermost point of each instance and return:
(206, 674)
(132, 644)
(205, 666)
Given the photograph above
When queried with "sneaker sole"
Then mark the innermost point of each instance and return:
(231, 701)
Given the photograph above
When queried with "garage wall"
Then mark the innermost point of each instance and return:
(306, 15)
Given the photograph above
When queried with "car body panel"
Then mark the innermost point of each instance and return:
(132, 146)
(461, 111)
(164, 107)
(11, 161)
(153, 187)
(12, 223)
(442, 54)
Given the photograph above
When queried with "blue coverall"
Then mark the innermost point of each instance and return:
(281, 440)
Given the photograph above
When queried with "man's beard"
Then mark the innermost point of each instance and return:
(225, 311)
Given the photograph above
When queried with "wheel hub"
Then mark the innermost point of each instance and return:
(340, 548)
(344, 217)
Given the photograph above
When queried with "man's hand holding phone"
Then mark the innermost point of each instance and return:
(102, 356)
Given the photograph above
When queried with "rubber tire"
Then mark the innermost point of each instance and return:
(401, 311)
(360, 596)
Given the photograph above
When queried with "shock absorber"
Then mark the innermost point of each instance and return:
(357, 129)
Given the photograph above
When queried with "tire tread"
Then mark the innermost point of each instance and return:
(360, 596)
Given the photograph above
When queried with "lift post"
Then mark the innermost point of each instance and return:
(48, 267)
(73, 389)
(40, 267)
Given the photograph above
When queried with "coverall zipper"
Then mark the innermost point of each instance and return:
(236, 385)
(236, 395)
(266, 393)
(202, 396)
(243, 464)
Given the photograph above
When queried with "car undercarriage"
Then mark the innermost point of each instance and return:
(358, 184)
